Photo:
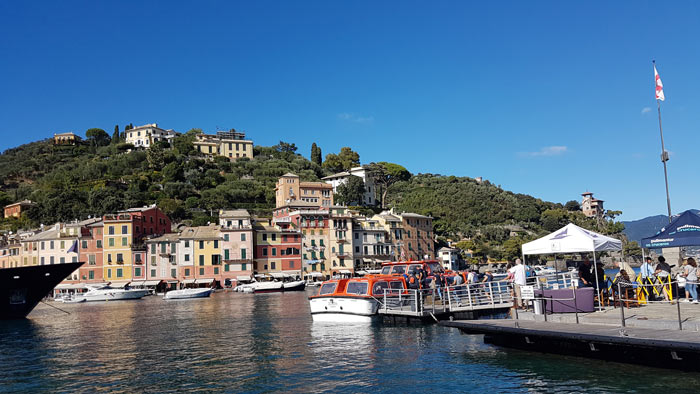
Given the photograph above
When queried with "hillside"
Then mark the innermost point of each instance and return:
(70, 183)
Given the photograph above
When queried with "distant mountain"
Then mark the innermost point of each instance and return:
(638, 229)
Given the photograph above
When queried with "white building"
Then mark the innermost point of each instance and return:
(338, 179)
(147, 135)
(449, 257)
(370, 244)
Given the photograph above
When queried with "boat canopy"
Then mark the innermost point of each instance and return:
(347, 272)
(314, 274)
(70, 286)
(279, 275)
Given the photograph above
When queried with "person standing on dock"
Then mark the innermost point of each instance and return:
(519, 279)
(690, 273)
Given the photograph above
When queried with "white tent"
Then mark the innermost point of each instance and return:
(571, 239)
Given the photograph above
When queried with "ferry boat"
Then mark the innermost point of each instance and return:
(407, 267)
(22, 288)
(354, 299)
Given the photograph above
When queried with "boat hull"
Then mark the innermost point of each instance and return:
(187, 294)
(295, 286)
(115, 295)
(22, 288)
(344, 309)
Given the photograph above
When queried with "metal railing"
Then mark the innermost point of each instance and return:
(459, 298)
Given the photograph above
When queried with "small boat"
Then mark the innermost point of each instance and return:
(73, 300)
(271, 283)
(107, 293)
(187, 294)
(353, 300)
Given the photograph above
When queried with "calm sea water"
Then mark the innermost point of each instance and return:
(268, 343)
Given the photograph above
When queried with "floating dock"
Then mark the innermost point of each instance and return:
(660, 348)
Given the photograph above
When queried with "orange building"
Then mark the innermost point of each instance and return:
(290, 189)
(16, 209)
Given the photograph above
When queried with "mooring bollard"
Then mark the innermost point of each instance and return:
(622, 304)
(678, 306)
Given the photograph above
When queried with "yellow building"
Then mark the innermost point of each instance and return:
(65, 139)
(231, 144)
(117, 241)
(206, 247)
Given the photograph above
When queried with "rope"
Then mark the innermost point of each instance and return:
(53, 306)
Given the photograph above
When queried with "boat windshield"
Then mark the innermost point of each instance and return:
(379, 287)
(386, 270)
(396, 284)
(399, 269)
(435, 267)
(357, 288)
(413, 268)
(327, 288)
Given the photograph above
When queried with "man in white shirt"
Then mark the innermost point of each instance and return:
(519, 272)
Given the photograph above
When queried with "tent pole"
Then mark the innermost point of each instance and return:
(595, 272)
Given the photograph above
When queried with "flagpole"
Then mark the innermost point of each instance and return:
(664, 155)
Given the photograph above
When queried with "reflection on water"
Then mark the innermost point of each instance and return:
(262, 343)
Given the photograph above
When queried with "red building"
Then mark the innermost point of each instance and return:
(277, 249)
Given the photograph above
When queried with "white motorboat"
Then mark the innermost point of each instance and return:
(107, 293)
(70, 299)
(187, 294)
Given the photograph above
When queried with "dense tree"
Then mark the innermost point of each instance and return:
(97, 137)
(572, 206)
(316, 156)
(343, 161)
(184, 143)
(286, 147)
(116, 138)
(351, 192)
(385, 175)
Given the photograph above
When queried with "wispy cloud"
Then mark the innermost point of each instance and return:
(557, 150)
(355, 118)
(646, 110)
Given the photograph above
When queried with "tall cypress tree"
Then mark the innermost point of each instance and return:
(316, 156)
(115, 135)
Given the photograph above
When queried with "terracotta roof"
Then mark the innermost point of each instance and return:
(201, 232)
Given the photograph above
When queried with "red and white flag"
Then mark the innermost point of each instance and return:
(659, 85)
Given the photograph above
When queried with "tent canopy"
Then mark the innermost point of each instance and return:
(571, 239)
(682, 231)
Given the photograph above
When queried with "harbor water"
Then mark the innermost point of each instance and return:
(236, 342)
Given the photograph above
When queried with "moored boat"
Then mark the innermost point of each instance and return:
(354, 299)
(187, 294)
(22, 288)
(107, 293)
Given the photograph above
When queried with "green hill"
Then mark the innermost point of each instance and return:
(73, 182)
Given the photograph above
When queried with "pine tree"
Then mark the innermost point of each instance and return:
(316, 156)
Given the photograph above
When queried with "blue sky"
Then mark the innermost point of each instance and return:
(544, 98)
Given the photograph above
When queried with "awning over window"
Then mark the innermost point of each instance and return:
(243, 278)
(348, 272)
(153, 282)
(314, 274)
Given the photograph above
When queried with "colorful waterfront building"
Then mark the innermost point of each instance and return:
(124, 248)
(340, 241)
(370, 244)
(91, 247)
(236, 229)
(277, 248)
(313, 223)
(418, 237)
(206, 246)
(161, 262)
(393, 225)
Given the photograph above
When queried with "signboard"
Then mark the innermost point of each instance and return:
(527, 292)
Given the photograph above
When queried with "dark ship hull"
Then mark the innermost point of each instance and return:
(23, 287)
